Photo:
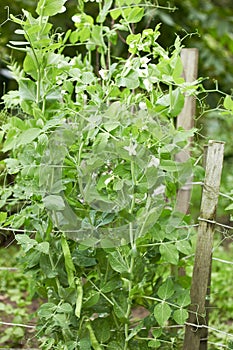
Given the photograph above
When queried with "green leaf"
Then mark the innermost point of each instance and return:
(170, 165)
(54, 202)
(229, 207)
(135, 330)
(228, 103)
(92, 300)
(184, 247)
(113, 345)
(120, 308)
(183, 298)
(28, 136)
(87, 77)
(26, 242)
(115, 13)
(180, 316)
(65, 308)
(110, 286)
(30, 65)
(13, 165)
(162, 313)
(18, 220)
(169, 253)
(176, 102)
(150, 218)
(97, 36)
(82, 259)
(102, 329)
(166, 290)
(27, 90)
(46, 310)
(45, 265)
(111, 125)
(3, 216)
(154, 344)
(117, 262)
(178, 69)
(43, 247)
(85, 344)
(50, 7)
(130, 81)
(183, 135)
(10, 141)
(2, 134)
(104, 11)
(103, 181)
(17, 332)
(61, 321)
(157, 332)
(133, 14)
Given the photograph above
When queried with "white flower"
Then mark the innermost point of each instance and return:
(154, 162)
(159, 190)
(143, 73)
(85, 98)
(131, 149)
(142, 105)
(144, 61)
(148, 84)
(104, 74)
(77, 18)
(108, 180)
(72, 61)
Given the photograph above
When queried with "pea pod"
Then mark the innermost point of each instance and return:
(79, 298)
(94, 342)
(69, 265)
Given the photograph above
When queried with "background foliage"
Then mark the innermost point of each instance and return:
(205, 24)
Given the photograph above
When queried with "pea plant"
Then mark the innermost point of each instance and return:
(89, 144)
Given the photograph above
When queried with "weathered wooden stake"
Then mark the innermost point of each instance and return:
(185, 120)
(203, 255)
(204, 331)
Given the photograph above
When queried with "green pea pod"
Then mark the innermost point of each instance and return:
(68, 261)
(79, 298)
(94, 342)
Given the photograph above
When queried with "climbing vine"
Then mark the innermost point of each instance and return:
(90, 142)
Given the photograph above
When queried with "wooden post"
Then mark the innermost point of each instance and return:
(203, 255)
(204, 331)
(185, 120)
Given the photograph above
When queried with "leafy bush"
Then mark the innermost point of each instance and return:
(91, 146)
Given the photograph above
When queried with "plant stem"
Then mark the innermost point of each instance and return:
(132, 261)
(129, 302)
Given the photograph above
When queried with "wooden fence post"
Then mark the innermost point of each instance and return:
(185, 120)
(203, 256)
(204, 331)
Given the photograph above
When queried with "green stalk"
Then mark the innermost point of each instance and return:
(132, 261)
(127, 315)
(56, 278)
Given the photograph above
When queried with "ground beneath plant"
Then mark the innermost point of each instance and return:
(28, 340)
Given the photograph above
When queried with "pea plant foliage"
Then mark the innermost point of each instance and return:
(89, 145)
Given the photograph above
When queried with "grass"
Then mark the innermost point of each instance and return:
(221, 316)
(16, 305)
